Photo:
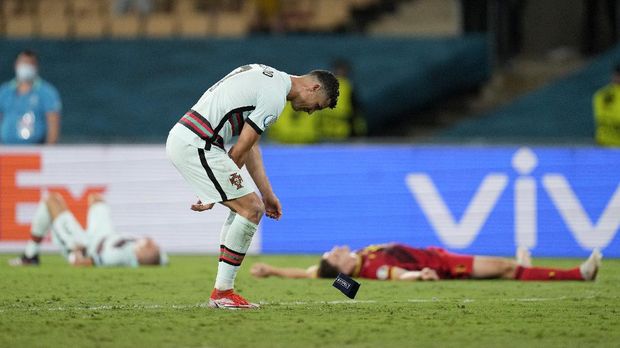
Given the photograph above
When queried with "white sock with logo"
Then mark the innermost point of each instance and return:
(41, 224)
(226, 227)
(232, 252)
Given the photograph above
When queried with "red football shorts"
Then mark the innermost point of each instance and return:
(455, 265)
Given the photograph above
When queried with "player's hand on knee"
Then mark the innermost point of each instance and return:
(428, 274)
(198, 206)
(260, 270)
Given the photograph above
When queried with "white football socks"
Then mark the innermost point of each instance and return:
(226, 227)
(232, 251)
(41, 223)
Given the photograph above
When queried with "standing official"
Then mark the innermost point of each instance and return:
(29, 106)
(606, 105)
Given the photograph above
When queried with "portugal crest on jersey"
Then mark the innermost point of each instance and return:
(237, 180)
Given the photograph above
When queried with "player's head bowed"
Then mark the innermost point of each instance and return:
(329, 84)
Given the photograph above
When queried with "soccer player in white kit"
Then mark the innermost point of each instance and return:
(99, 245)
(237, 110)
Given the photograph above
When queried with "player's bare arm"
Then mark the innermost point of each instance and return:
(423, 274)
(239, 153)
(53, 127)
(78, 258)
(263, 270)
(255, 166)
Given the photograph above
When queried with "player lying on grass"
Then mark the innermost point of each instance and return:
(99, 246)
(402, 262)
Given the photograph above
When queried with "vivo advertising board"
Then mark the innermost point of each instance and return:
(481, 200)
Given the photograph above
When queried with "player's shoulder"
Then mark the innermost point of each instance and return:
(47, 87)
(266, 73)
(46, 90)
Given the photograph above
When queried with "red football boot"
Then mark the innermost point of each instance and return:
(228, 299)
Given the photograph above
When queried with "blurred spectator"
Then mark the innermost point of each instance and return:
(142, 7)
(268, 17)
(29, 106)
(343, 121)
(606, 104)
(600, 25)
(504, 19)
(295, 127)
(337, 124)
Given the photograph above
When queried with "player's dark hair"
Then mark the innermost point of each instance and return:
(327, 270)
(330, 84)
(28, 53)
(617, 69)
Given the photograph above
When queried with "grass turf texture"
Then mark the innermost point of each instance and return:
(59, 306)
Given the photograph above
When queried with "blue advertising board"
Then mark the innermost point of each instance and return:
(559, 202)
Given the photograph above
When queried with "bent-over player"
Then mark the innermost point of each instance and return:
(237, 110)
(402, 262)
(99, 245)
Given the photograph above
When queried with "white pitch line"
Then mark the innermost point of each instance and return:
(304, 303)
(108, 307)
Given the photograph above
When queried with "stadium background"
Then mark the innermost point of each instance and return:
(511, 168)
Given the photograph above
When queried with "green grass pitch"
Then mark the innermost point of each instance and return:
(59, 306)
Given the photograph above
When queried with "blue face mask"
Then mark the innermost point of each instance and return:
(25, 72)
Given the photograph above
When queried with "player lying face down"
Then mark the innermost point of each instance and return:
(402, 262)
(98, 246)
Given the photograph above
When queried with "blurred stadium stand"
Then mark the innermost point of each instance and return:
(97, 18)
(106, 83)
(558, 112)
(420, 65)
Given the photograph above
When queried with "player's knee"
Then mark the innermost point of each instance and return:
(94, 198)
(54, 198)
(254, 209)
(257, 211)
(508, 269)
(55, 204)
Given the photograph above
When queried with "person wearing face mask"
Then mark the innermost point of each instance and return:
(29, 106)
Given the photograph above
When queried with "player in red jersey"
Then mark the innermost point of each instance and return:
(402, 262)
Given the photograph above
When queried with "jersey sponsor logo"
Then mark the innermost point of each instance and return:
(267, 71)
(269, 120)
(237, 180)
(460, 269)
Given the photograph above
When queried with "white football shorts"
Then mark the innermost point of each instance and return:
(213, 175)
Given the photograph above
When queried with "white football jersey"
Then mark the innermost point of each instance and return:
(253, 94)
(116, 251)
